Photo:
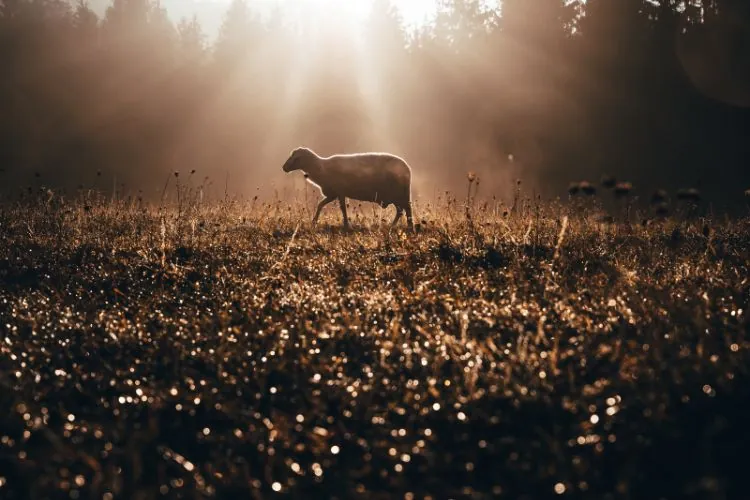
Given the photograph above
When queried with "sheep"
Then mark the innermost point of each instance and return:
(381, 178)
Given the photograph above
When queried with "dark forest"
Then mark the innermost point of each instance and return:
(654, 93)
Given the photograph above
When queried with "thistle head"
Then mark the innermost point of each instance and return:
(659, 196)
(608, 182)
(587, 188)
(691, 195)
(623, 189)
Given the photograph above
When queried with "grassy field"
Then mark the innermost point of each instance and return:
(233, 351)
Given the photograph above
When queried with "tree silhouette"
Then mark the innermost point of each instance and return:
(237, 35)
(192, 39)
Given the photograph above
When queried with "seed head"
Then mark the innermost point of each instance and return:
(587, 188)
(623, 189)
(691, 194)
(608, 181)
(471, 176)
(659, 196)
(176, 173)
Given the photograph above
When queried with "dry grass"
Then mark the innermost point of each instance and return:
(230, 349)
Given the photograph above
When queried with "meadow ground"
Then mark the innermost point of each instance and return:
(233, 351)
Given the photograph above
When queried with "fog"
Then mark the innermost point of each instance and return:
(121, 97)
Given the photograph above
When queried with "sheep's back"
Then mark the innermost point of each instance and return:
(369, 177)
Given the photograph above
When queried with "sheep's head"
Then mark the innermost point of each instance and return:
(296, 160)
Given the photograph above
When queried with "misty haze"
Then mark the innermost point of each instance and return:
(414, 249)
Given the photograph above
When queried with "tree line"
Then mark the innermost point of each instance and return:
(655, 93)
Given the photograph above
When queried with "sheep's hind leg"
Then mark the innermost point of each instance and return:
(409, 220)
(342, 204)
(324, 202)
(399, 211)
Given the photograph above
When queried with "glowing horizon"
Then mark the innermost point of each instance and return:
(415, 14)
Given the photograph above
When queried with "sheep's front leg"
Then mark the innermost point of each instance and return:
(326, 201)
(399, 211)
(342, 204)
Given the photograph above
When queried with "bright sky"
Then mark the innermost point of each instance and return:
(415, 13)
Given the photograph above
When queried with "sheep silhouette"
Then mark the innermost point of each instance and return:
(380, 178)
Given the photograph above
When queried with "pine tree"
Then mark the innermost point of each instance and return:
(192, 39)
(235, 36)
(86, 22)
